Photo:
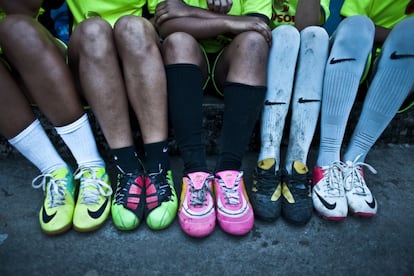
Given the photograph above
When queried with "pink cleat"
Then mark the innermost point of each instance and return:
(234, 212)
(197, 215)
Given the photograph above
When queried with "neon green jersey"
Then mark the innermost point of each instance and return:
(284, 12)
(111, 11)
(384, 13)
(152, 4)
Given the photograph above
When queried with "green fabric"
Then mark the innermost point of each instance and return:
(111, 11)
(384, 13)
(284, 12)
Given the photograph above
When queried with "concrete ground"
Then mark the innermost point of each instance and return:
(383, 245)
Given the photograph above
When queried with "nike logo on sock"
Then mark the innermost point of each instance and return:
(302, 100)
(325, 203)
(98, 213)
(394, 55)
(267, 102)
(47, 218)
(334, 61)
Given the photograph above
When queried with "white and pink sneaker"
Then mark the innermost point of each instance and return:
(197, 215)
(234, 211)
(361, 202)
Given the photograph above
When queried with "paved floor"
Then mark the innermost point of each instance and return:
(383, 245)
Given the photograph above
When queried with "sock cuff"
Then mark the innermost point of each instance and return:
(238, 85)
(72, 126)
(25, 132)
(178, 66)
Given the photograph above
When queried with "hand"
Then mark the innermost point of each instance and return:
(170, 9)
(219, 6)
(239, 24)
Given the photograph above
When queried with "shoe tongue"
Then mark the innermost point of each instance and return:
(266, 163)
(59, 174)
(300, 168)
(229, 178)
(198, 179)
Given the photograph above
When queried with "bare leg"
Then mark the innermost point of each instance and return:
(93, 57)
(33, 61)
(141, 61)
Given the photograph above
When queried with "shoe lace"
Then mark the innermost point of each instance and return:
(334, 178)
(122, 188)
(300, 182)
(91, 187)
(232, 194)
(162, 185)
(353, 178)
(268, 181)
(54, 188)
(199, 196)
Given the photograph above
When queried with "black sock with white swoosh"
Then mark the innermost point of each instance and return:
(156, 156)
(126, 159)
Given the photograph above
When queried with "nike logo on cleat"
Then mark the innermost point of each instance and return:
(394, 55)
(98, 213)
(371, 204)
(267, 102)
(45, 217)
(325, 203)
(334, 61)
(302, 100)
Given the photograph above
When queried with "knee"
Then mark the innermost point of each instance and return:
(355, 34)
(181, 48)
(94, 37)
(286, 35)
(314, 33)
(18, 28)
(401, 35)
(135, 34)
(285, 30)
(252, 43)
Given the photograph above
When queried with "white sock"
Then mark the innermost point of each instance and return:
(307, 93)
(343, 72)
(391, 85)
(78, 136)
(35, 145)
(281, 68)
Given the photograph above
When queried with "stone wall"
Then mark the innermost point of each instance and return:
(399, 131)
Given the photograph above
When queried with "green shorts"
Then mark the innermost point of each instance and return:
(211, 60)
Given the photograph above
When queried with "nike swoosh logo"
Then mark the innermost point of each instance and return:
(164, 149)
(371, 204)
(267, 102)
(45, 217)
(302, 100)
(98, 213)
(394, 55)
(325, 203)
(334, 61)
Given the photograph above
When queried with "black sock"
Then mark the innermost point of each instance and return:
(156, 157)
(185, 98)
(243, 104)
(127, 159)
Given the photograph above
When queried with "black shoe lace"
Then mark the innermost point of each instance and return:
(301, 183)
(266, 180)
(124, 182)
(162, 185)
